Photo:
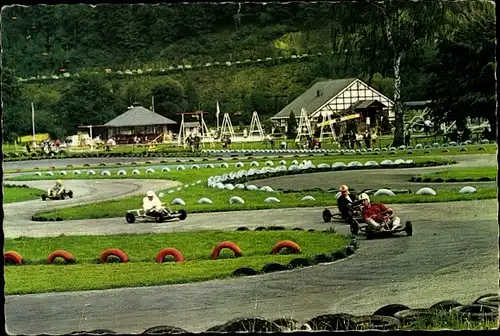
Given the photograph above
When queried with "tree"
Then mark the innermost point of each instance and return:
(87, 101)
(16, 113)
(170, 98)
(401, 25)
(292, 126)
(462, 81)
(193, 99)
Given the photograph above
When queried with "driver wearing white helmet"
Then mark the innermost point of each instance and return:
(377, 215)
(152, 204)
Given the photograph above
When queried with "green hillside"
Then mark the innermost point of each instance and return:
(179, 54)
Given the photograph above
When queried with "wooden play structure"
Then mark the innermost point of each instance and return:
(256, 126)
(226, 127)
(204, 132)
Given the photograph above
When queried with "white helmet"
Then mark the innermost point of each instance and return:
(364, 196)
(150, 193)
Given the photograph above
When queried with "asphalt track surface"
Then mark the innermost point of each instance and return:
(452, 255)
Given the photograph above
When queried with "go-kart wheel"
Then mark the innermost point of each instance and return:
(160, 218)
(182, 214)
(327, 216)
(354, 227)
(44, 197)
(130, 218)
(61, 196)
(370, 233)
(70, 194)
(409, 228)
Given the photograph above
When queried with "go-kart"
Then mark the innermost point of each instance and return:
(166, 214)
(57, 195)
(384, 230)
(354, 214)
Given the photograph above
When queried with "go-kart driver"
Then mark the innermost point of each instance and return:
(152, 205)
(378, 216)
(345, 202)
(57, 188)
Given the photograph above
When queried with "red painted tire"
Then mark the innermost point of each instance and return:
(169, 252)
(285, 243)
(12, 256)
(229, 245)
(68, 257)
(113, 252)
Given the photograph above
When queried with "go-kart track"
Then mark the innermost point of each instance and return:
(453, 254)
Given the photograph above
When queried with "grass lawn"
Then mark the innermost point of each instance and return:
(434, 153)
(11, 195)
(34, 276)
(446, 320)
(463, 173)
(253, 200)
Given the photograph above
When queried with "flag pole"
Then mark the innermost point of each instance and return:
(33, 121)
(217, 115)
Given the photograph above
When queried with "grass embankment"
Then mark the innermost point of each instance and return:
(254, 200)
(202, 172)
(35, 276)
(20, 194)
(463, 173)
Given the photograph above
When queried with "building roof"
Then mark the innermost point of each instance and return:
(139, 116)
(191, 124)
(420, 103)
(362, 104)
(311, 101)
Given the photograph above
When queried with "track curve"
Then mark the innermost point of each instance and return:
(453, 255)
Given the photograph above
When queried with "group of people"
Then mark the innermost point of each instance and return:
(353, 139)
(376, 214)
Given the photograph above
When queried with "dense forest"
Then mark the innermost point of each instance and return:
(395, 47)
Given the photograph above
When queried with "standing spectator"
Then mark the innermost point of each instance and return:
(427, 127)
(28, 148)
(407, 136)
(352, 140)
(368, 138)
(197, 141)
(359, 140)
(374, 138)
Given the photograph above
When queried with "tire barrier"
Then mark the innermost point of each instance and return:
(178, 257)
(390, 310)
(330, 322)
(286, 243)
(68, 257)
(477, 312)
(377, 322)
(388, 317)
(320, 258)
(445, 305)
(300, 262)
(260, 228)
(249, 325)
(244, 271)
(242, 228)
(409, 315)
(229, 245)
(276, 228)
(12, 257)
(113, 252)
(94, 332)
(286, 324)
(491, 298)
(163, 330)
(419, 179)
(274, 267)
